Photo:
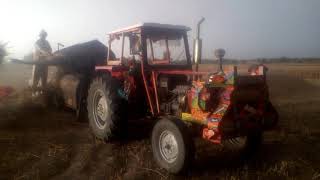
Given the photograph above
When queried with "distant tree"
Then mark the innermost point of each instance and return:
(3, 51)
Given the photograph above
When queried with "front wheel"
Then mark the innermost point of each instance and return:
(172, 145)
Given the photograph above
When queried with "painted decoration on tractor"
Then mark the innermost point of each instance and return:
(218, 86)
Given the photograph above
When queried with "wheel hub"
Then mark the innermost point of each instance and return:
(168, 146)
(100, 109)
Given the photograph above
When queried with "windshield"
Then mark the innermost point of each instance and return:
(164, 49)
(124, 47)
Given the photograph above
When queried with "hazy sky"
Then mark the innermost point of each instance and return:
(245, 28)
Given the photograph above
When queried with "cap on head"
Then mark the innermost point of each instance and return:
(43, 33)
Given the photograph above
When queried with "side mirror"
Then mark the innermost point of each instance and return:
(135, 44)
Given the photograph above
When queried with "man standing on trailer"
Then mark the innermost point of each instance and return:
(42, 51)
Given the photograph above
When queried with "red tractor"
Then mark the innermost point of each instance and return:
(149, 72)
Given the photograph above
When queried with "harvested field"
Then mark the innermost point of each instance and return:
(45, 143)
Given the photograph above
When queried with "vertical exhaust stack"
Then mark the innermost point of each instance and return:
(197, 47)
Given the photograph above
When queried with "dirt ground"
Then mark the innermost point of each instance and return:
(45, 143)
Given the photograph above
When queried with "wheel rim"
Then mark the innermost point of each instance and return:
(100, 109)
(168, 146)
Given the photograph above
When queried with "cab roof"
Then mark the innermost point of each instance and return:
(151, 25)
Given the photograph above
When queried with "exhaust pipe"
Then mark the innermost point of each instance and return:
(197, 47)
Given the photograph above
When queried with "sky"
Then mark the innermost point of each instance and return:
(246, 29)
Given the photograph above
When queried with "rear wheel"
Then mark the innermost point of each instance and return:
(81, 95)
(106, 109)
(53, 98)
(172, 145)
(81, 112)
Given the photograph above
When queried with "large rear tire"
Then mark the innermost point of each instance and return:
(172, 145)
(106, 109)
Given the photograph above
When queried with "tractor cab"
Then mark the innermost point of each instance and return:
(152, 56)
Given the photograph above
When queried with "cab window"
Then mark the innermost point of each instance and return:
(166, 50)
(125, 46)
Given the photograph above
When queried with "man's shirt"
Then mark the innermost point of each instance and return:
(42, 49)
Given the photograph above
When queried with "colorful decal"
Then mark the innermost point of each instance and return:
(199, 97)
(209, 102)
